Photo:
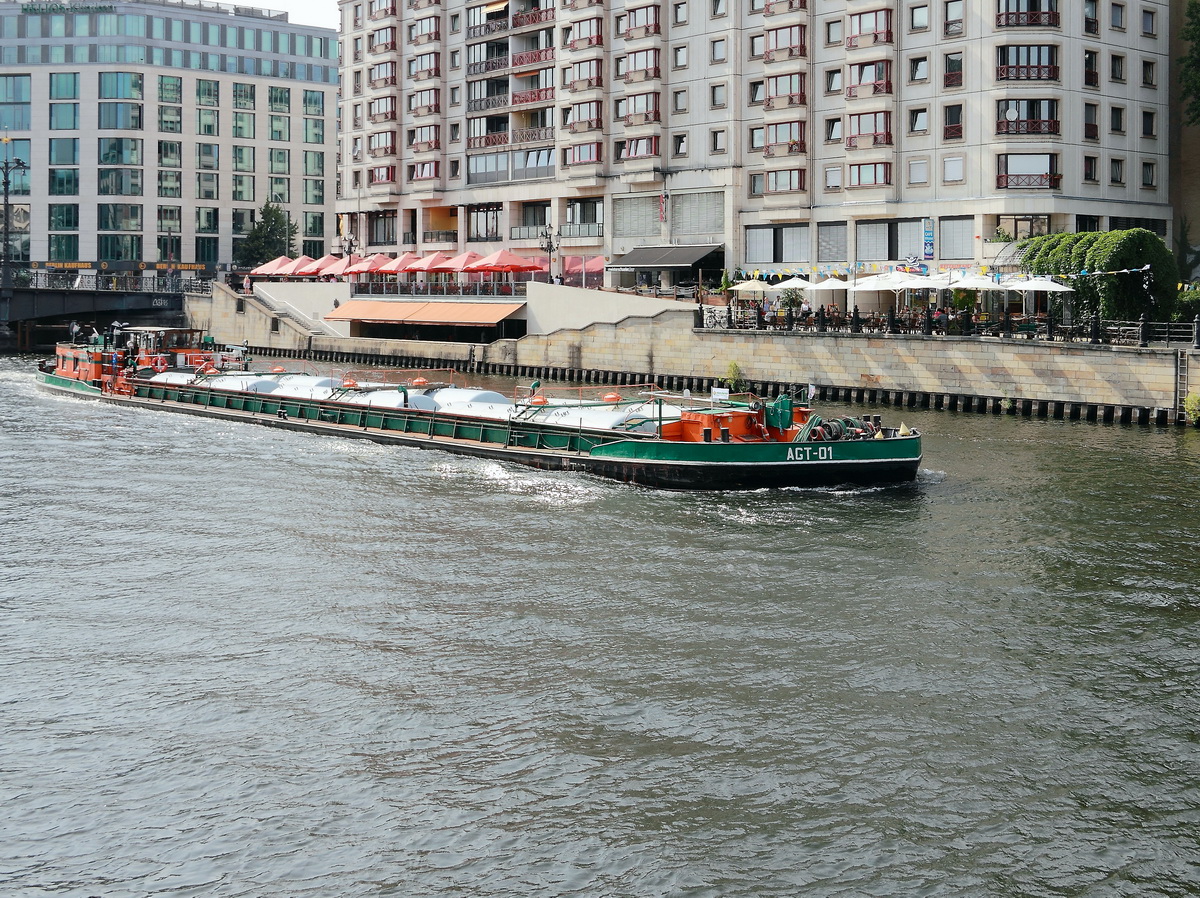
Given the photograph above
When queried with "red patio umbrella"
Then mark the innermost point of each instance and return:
(428, 263)
(504, 261)
(338, 268)
(458, 263)
(398, 264)
(314, 268)
(371, 263)
(269, 267)
(291, 268)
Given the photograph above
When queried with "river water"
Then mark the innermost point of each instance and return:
(236, 661)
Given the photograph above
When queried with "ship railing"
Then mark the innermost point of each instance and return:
(395, 377)
(533, 396)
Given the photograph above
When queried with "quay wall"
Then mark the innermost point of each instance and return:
(986, 373)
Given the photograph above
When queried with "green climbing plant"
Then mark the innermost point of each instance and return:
(735, 378)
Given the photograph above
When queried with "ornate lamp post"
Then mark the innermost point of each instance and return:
(7, 167)
(550, 239)
(349, 244)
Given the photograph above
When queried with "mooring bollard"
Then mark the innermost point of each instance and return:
(1095, 337)
(1143, 331)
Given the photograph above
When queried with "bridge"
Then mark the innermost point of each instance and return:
(44, 302)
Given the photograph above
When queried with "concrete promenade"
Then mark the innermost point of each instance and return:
(992, 374)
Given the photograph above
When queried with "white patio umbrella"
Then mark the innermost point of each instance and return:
(875, 283)
(827, 285)
(1034, 285)
(755, 286)
(975, 282)
(792, 283)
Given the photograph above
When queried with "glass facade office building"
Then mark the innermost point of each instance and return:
(153, 133)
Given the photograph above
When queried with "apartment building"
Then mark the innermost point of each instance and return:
(155, 131)
(752, 134)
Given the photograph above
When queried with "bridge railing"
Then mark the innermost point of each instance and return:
(116, 283)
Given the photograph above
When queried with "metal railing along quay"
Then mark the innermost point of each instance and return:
(116, 283)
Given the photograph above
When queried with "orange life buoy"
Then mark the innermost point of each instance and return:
(159, 363)
(539, 399)
(611, 397)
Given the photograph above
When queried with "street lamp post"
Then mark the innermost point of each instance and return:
(349, 243)
(7, 167)
(550, 239)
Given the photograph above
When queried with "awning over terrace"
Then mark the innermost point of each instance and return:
(670, 256)
(468, 314)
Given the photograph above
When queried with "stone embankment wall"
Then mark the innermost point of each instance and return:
(981, 373)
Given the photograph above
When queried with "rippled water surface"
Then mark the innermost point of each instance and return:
(241, 662)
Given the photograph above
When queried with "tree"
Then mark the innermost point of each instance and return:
(1189, 63)
(272, 236)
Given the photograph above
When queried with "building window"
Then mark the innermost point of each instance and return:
(1118, 16)
(871, 174)
(758, 92)
(207, 220)
(952, 169)
(243, 96)
(1149, 23)
(718, 8)
(918, 69)
(170, 184)
(120, 86)
(64, 86)
(1117, 68)
(679, 101)
(206, 186)
(1116, 171)
(243, 125)
(170, 89)
(1091, 169)
(279, 99)
(314, 130)
(1149, 174)
(64, 247)
(833, 177)
(718, 51)
(64, 150)
(279, 161)
(833, 130)
(243, 188)
(64, 182)
(120, 116)
(716, 141)
(208, 93)
(918, 171)
(679, 145)
(64, 116)
(207, 252)
(243, 158)
(679, 57)
(1116, 119)
(953, 18)
(206, 122)
(63, 217)
(717, 96)
(833, 81)
(1149, 73)
(918, 18)
(918, 120)
(952, 122)
(758, 184)
(280, 189)
(1148, 123)
(833, 31)
(206, 156)
(758, 45)
(170, 119)
(281, 128)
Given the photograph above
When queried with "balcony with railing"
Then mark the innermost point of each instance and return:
(640, 31)
(426, 37)
(482, 141)
(537, 95)
(487, 65)
(427, 109)
(1091, 78)
(424, 146)
(784, 148)
(782, 54)
(533, 17)
(526, 232)
(1027, 126)
(1027, 73)
(953, 28)
(582, 125)
(582, 43)
(1091, 131)
(642, 118)
(582, 229)
(1091, 26)
(491, 26)
(869, 89)
(497, 101)
(382, 47)
(871, 139)
(785, 101)
(1052, 180)
(388, 116)
(586, 83)
(385, 81)
(952, 79)
(533, 57)
(778, 7)
(1041, 18)
(439, 237)
(869, 39)
(635, 75)
(382, 13)
(426, 74)
(388, 150)
(423, 4)
(532, 135)
(952, 132)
